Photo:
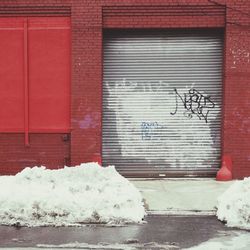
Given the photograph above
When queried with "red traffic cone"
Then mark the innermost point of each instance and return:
(225, 173)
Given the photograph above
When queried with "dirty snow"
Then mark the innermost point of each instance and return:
(116, 246)
(70, 196)
(239, 241)
(234, 205)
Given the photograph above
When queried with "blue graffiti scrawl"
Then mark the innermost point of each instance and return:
(148, 130)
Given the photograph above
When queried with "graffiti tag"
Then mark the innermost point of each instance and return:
(148, 130)
(195, 103)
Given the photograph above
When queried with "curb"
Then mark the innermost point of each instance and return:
(182, 212)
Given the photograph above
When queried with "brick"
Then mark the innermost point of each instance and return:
(88, 19)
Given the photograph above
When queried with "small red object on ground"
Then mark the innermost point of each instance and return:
(225, 173)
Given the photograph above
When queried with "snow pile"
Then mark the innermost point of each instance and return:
(237, 241)
(83, 194)
(234, 205)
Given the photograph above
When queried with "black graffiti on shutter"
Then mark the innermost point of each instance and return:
(195, 103)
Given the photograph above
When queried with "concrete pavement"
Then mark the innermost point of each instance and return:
(167, 226)
(181, 196)
(166, 232)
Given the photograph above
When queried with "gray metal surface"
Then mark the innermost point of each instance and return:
(162, 94)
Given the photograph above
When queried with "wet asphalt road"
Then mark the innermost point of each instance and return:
(182, 231)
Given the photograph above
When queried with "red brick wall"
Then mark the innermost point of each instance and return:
(237, 88)
(51, 150)
(164, 16)
(88, 19)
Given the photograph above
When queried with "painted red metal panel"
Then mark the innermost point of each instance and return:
(11, 75)
(49, 74)
(35, 74)
(26, 81)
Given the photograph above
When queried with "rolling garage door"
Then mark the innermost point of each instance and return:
(162, 97)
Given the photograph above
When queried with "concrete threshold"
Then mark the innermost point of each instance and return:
(182, 212)
(181, 196)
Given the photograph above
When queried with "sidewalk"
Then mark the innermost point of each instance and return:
(178, 197)
(181, 196)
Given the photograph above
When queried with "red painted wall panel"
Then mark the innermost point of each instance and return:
(48, 87)
(11, 75)
(49, 74)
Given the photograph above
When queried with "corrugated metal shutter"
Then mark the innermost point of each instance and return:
(162, 94)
